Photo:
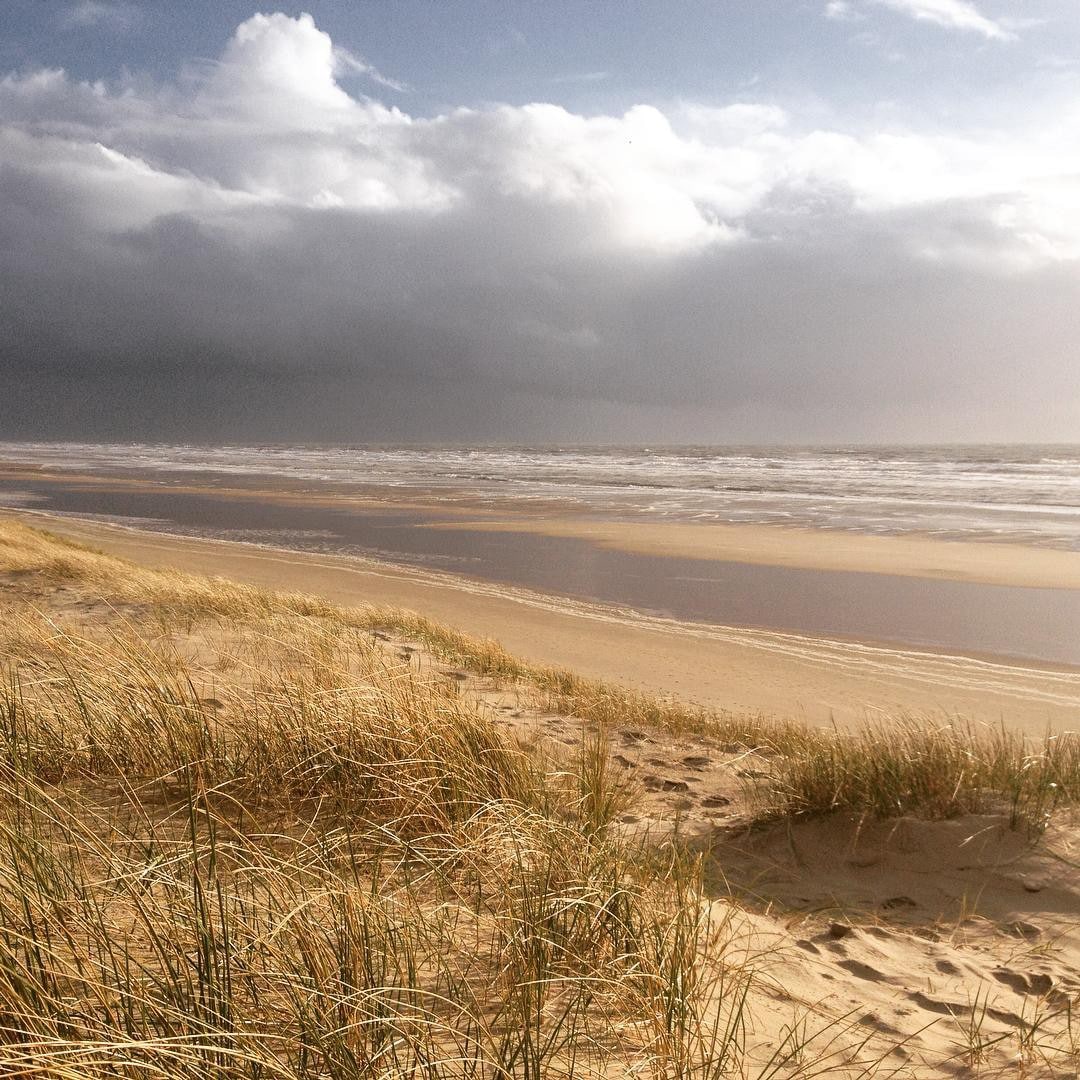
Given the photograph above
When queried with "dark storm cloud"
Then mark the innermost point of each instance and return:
(257, 254)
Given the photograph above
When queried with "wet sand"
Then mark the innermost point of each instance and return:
(780, 674)
(987, 563)
(664, 570)
(809, 549)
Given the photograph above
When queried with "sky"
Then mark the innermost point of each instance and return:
(786, 221)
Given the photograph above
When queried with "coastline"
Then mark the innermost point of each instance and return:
(819, 680)
(908, 555)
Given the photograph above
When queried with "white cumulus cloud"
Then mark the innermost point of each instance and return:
(728, 258)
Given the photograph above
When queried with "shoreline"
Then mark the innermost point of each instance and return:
(783, 674)
(911, 555)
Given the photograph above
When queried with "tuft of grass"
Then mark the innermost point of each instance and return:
(299, 857)
(931, 770)
(331, 719)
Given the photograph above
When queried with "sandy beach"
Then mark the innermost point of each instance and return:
(809, 549)
(1000, 563)
(784, 675)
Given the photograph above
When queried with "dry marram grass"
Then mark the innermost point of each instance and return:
(296, 856)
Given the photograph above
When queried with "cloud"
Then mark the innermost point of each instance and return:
(258, 253)
(350, 62)
(582, 77)
(950, 14)
(842, 11)
(112, 15)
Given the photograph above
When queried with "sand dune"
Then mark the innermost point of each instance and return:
(866, 947)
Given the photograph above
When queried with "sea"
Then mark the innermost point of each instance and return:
(1021, 494)
(1027, 494)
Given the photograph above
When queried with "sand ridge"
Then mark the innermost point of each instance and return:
(807, 549)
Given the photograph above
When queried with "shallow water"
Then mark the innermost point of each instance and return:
(1035, 624)
(1026, 494)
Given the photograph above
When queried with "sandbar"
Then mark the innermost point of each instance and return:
(808, 549)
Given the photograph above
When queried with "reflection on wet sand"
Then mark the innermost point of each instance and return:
(1039, 624)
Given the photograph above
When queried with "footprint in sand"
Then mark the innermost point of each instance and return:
(863, 862)
(874, 1021)
(864, 971)
(696, 761)
(1023, 929)
(715, 801)
(956, 1010)
(897, 903)
(942, 1008)
(657, 783)
(1038, 984)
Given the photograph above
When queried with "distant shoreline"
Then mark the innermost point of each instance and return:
(1023, 495)
(908, 555)
(779, 674)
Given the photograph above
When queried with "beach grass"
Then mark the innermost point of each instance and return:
(303, 858)
(239, 837)
(907, 764)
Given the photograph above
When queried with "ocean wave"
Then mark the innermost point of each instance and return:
(1027, 493)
